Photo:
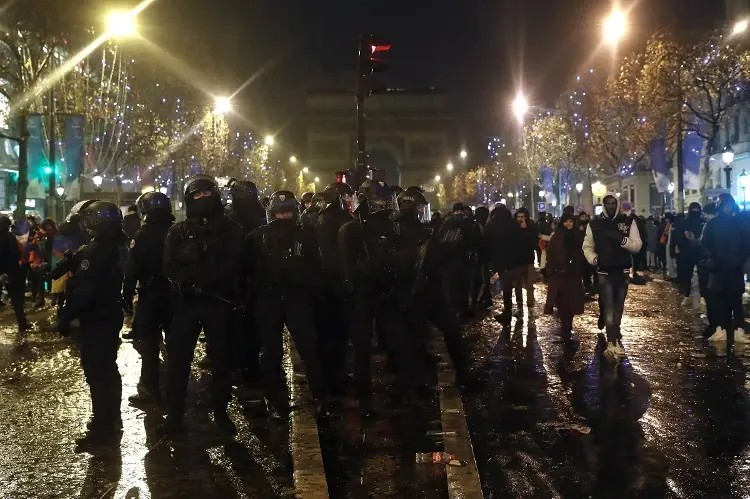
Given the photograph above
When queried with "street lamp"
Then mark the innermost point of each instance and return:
(579, 189)
(541, 194)
(317, 179)
(60, 191)
(437, 178)
(520, 107)
(222, 105)
(728, 157)
(293, 159)
(463, 154)
(614, 27)
(269, 140)
(449, 167)
(97, 179)
(121, 23)
(739, 27)
(305, 170)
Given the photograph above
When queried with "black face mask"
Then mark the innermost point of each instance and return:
(203, 207)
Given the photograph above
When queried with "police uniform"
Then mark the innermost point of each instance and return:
(377, 269)
(154, 309)
(334, 305)
(285, 264)
(201, 259)
(93, 297)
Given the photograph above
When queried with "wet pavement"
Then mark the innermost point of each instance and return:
(550, 422)
(665, 423)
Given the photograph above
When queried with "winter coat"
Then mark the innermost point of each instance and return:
(689, 250)
(727, 244)
(652, 234)
(503, 236)
(565, 283)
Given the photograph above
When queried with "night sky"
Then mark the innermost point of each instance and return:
(478, 50)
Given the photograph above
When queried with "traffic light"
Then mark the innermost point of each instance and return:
(371, 60)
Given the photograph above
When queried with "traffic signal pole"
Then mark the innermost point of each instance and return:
(360, 171)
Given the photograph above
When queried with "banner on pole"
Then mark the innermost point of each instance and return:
(692, 146)
(74, 148)
(659, 166)
(37, 159)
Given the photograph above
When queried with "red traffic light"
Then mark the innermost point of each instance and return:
(380, 48)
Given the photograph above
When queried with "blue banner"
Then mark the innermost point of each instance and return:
(37, 159)
(74, 150)
(658, 152)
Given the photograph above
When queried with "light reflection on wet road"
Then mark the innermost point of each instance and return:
(663, 424)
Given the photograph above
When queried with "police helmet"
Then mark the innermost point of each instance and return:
(318, 201)
(414, 200)
(75, 212)
(200, 187)
(243, 189)
(102, 219)
(264, 202)
(397, 189)
(307, 198)
(151, 202)
(340, 194)
(282, 202)
(375, 196)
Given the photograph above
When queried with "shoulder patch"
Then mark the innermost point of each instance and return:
(85, 265)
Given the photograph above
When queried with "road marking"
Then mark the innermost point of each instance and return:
(307, 460)
(463, 482)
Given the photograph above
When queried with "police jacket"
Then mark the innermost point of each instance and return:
(144, 263)
(609, 242)
(373, 255)
(94, 288)
(204, 254)
(330, 220)
(282, 254)
(10, 255)
(249, 214)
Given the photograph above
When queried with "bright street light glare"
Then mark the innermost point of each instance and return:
(305, 170)
(317, 179)
(449, 166)
(222, 105)
(60, 190)
(740, 27)
(579, 187)
(520, 107)
(464, 154)
(97, 179)
(437, 178)
(293, 159)
(269, 140)
(614, 27)
(121, 23)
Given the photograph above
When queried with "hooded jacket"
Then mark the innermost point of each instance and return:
(601, 247)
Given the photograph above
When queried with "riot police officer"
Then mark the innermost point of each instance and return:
(93, 297)
(154, 311)
(429, 303)
(201, 259)
(378, 272)
(245, 209)
(306, 201)
(285, 263)
(310, 215)
(333, 303)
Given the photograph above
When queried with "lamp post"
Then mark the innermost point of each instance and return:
(728, 157)
(670, 189)
(579, 189)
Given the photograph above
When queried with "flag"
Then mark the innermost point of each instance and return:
(658, 152)
(692, 146)
(73, 146)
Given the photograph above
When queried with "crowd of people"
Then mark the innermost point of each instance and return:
(336, 269)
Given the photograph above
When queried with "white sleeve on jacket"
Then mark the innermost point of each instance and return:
(633, 242)
(589, 250)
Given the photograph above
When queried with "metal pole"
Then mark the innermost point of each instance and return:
(23, 167)
(360, 172)
(51, 184)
